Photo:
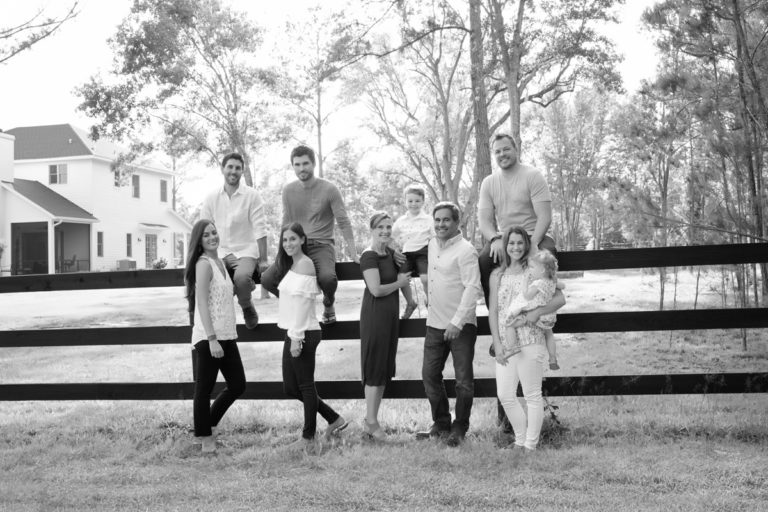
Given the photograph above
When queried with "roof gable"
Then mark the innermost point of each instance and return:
(52, 202)
(58, 141)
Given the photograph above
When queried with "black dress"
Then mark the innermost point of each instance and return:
(379, 322)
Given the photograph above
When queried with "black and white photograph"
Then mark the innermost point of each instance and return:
(383, 255)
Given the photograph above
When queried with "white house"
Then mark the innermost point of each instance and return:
(62, 210)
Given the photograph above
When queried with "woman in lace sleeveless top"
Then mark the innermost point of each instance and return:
(526, 366)
(296, 314)
(214, 335)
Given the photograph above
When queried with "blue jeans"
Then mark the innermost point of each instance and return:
(323, 255)
(462, 350)
(206, 368)
(299, 382)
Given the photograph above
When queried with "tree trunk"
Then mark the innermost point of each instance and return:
(510, 58)
(479, 101)
(319, 120)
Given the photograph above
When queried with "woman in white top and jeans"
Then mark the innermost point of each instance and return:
(527, 365)
(298, 289)
(209, 295)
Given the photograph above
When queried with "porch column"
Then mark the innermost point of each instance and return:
(51, 247)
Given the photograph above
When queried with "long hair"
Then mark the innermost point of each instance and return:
(282, 260)
(193, 254)
(506, 260)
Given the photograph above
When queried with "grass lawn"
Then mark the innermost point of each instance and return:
(609, 453)
(613, 453)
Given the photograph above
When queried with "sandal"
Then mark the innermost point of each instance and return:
(409, 309)
(373, 431)
(335, 428)
(328, 318)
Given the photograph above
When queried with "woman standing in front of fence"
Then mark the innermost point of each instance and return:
(214, 335)
(296, 314)
(527, 365)
(379, 319)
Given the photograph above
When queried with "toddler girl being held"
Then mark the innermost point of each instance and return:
(539, 287)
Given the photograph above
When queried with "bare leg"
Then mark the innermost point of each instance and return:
(410, 303)
(551, 349)
(424, 282)
(373, 396)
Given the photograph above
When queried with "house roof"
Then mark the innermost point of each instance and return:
(50, 201)
(57, 141)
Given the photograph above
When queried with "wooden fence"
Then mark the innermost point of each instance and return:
(676, 383)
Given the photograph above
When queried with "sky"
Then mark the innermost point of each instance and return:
(37, 86)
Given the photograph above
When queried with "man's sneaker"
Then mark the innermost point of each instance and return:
(251, 317)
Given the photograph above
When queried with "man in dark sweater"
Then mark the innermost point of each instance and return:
(314, 203)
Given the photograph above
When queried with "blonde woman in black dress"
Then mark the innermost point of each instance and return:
(379, 319)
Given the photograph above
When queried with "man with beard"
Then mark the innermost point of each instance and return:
(518, 195)
(237, 210)
(315, 203)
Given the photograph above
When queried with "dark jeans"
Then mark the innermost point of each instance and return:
(462, 350)
(242, 271)
(323, 255)
(299, 382)
(487, 265)
(206, 370)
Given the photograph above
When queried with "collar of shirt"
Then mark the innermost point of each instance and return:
(447, 243)
(238, 190)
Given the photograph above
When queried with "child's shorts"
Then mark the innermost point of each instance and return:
(547, 321)
(415, 262)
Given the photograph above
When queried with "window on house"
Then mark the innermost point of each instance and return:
(57, 174)
(100, 244)
(163, 191)
(135, 184)
(129, 245)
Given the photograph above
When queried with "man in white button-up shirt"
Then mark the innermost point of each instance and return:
(454, 287)
(238, 213)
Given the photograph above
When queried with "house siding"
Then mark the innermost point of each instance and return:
(90, 184)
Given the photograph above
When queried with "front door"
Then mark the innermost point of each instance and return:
(151, 249)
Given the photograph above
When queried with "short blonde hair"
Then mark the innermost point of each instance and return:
(548, 261)
(415, 188)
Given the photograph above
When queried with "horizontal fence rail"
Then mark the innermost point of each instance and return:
(611, 259)
(414, 328)
(343, 390)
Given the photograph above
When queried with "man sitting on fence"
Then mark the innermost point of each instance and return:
(315, 203)
(516, 196)
(237, 210)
